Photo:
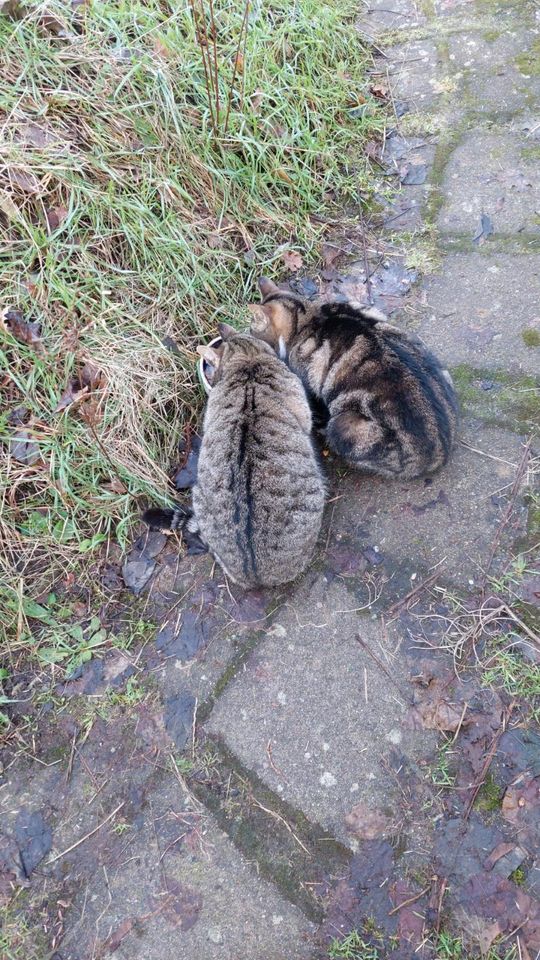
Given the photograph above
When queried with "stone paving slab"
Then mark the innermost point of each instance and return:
(479, 310)
(205, 902)
(415, 73)
(504, 91)
(479, 51)
(159, 878)
(491, 173)
(452, 519)
(332, 717)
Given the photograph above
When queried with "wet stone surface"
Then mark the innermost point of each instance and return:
(451, 520)
(479, 309)
(334, 721)
(505, 185)
(414, 73)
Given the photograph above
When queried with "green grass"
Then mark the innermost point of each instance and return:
(352, 947)
(127, 231)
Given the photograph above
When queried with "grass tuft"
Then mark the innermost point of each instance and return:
(128, 229)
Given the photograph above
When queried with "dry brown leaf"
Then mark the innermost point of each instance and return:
(8, 207)
(368, 824)
(330, 252)
(55, 217)
(113, 941)
(161, 49)
(74, 393)
(380, 90)
(282, 174)
(89, 380)
(115, 486)
(520, 798)
(256, 100)
(25, 331)
(437, 715)
(292, 260)
(24, 180)
(239, 62)
(500, 851)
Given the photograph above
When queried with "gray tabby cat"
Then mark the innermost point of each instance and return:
(259, 496)
(389, 406)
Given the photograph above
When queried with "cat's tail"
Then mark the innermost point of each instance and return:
(168, 521)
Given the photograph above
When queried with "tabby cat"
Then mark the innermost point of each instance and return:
(259, 496)
(390, 406)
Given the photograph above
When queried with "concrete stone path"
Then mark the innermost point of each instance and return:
(282, 782)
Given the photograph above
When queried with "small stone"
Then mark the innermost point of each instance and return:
(327, 779)
(487, 384)
(215, 935)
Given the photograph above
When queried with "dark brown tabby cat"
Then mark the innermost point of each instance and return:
(259, 496)
(390, 406)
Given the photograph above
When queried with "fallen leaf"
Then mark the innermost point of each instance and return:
(34, 836)
(114, 939)
(23, 448)
(500, 851)
(283, 175)
(330, 252)
(115, 486)
(380, 90)
(520, 799)
(24, 180)
(239, 62)
(73, 394)
(179, 904)
(368, 824)
(486, 229)
(55, 217)
(161, 49)
(25, 331)
(256, 100)
(373, 149)
(37, 136)
(90, 379)
(292, 260)
(178, 716)
(8, 207)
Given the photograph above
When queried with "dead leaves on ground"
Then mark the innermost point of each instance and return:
(85, 390)
(435, 711)
(368, 824)
(25, 331)
(292, 260)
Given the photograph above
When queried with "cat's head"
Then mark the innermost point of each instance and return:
(275, 320)
(234, 345)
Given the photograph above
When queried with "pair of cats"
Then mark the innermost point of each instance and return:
(387, 405)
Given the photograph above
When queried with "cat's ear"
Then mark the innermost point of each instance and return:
(260, 317)
(209, 354)
(226, 331)
(267, 287)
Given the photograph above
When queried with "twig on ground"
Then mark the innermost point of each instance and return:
(487, 762)
(521, 468)
(282, 820)
(86, 836)
(428, 582)
(407, 902)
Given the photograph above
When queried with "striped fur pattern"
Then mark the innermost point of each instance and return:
(391, 406)
(259, 496)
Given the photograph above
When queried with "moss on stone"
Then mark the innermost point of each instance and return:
(510, 402)
(531, 337)
(490, 796)
(528, 62)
